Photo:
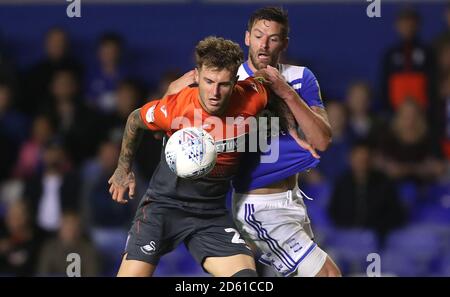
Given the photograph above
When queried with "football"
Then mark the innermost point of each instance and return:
(191, 153)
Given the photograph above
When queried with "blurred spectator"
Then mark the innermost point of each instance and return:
(12, 122)
(75, 122)
(362, 123)
(444, 37)
(13, 131)
(408, 65)
(440, 113)
(407, 151)
(11, 190)
(8, 73)
(7, 156)
(443, 59)
(441, 116)
(53, 256)
(364, 197)
(102, 81)
(53, 190)
(333, 162)
(38, 78)
(108, 221)
(163, 84)
(18, 245)
(129, 97)
(30, 153)
(104, 212)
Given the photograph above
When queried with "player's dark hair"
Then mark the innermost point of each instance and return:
(275, 14)
(219, 53)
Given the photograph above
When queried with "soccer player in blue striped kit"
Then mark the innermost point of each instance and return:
(268, 206)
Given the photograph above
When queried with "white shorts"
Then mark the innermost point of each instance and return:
(279, 227)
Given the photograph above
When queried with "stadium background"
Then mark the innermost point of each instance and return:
(335, 39)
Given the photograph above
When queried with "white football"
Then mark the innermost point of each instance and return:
(191, 153)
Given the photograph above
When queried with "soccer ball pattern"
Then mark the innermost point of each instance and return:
(191, 153)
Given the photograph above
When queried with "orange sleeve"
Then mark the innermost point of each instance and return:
(155, 114)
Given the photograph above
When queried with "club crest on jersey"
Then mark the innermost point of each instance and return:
(149, 249)
(193, 146)
(255, 87)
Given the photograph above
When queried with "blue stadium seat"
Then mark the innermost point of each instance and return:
(350, 248)
(436, 192)
(322, 234)
(417, 240)
(395, 262)
(408, 194)
(318, 215)
(420, 245)
(432, 213)
(110, 244)
(445, 265)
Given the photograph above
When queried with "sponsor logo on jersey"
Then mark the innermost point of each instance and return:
(230, 145)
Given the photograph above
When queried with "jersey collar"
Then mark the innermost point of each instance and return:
(247, 68)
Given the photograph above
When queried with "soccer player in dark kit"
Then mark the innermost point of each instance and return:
(174, 209)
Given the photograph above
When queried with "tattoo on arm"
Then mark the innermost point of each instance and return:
(131, 139)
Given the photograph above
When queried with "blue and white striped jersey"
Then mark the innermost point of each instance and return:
(292, 159)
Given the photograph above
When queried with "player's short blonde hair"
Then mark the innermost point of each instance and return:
(219, 53)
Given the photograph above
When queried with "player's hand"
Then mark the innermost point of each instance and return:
(120, 181)
(177, 85)
(273, 79)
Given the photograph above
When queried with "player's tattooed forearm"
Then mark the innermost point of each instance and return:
(130, 141)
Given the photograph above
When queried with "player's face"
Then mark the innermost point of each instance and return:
(215, 88)
(265, 42)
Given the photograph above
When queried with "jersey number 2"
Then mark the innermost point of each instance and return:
(236, 237)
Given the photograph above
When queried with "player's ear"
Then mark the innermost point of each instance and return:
(247, 38)
(286, 43)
